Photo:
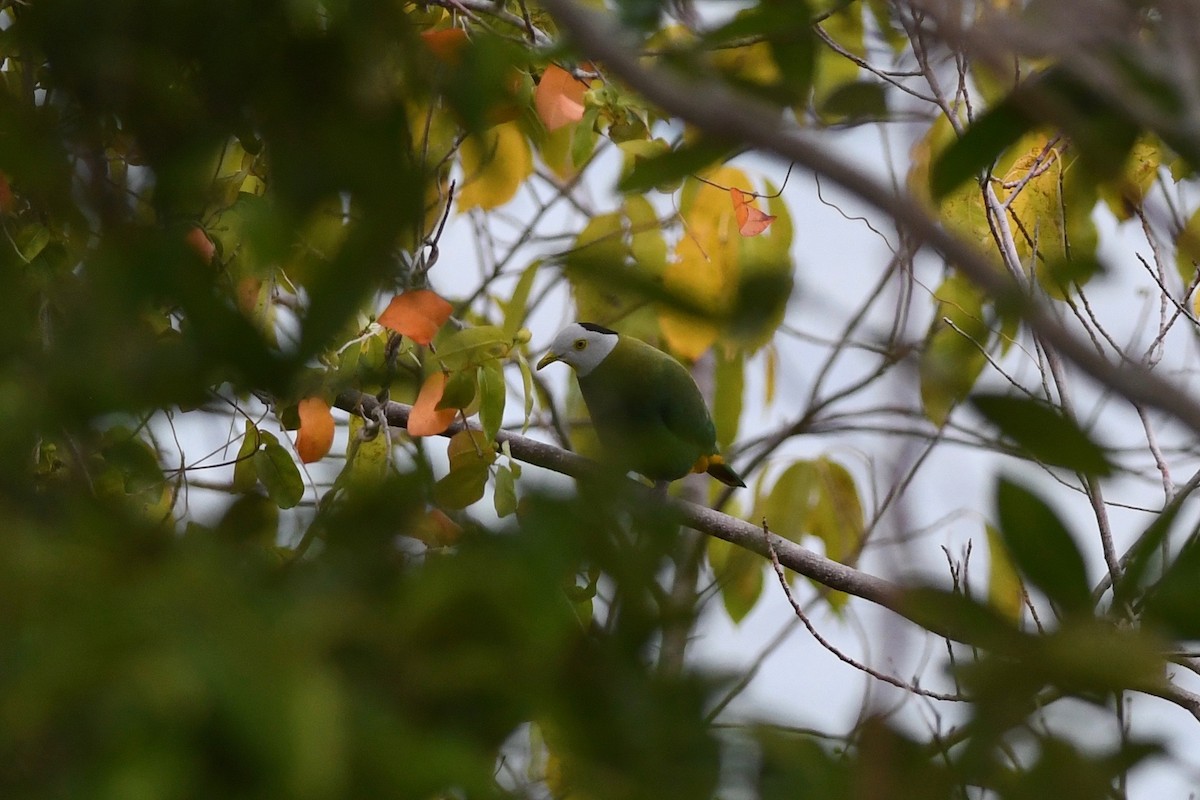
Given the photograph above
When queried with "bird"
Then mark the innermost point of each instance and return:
(646, 408)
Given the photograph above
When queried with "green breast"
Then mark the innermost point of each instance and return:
(647, 411)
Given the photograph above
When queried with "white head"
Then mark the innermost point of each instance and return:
(581, 345)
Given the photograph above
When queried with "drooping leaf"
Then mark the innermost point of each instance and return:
(278, 473)
(426, 419)
(504, 492)
(1044, 433)
(1042, 547)
(418, 314)
(244, 474)
(316, 429)
(751, 220)
(492, 396)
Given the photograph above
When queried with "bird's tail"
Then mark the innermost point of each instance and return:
(717, 467)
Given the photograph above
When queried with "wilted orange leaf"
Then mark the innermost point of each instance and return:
(446, 44)
(248, 290)
(198, 240)
(559, 98)
(426, 419)
(436, 529)
(316, 429)
(7, 202)
(417, 314)
(750, 219)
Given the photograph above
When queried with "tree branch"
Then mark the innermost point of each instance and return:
(706, 520)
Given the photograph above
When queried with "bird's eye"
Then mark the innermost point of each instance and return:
(580, 344)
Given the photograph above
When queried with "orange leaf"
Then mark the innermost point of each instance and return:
(446, 44)
(7, 201)
(750, 219)
(559, 98)
(247, 293)
(203, 246)
(426, 419)
(316, 429)
(418, 315)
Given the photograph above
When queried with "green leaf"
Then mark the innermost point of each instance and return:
(245, 476)
(473, 346)
(461, 487)
(1005, 593)
(1174, 599)
(816, 498)
(855, 101)
(460, 390)
(837, 517)
(31, 240)
(367, 460)
(951, 360)
(1146, 551)
(978, 148)
(739, 575)
(504, 493)
(729, 382)
(1044, 433)
(527, 389)
(1042, 547)
(492, 396)
(687, 159)
(278, 473)
(517, 306)
(584, 137)
(961, 618)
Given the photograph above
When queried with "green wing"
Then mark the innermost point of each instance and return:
(684, 412)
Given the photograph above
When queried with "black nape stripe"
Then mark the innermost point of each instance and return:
(594, 328)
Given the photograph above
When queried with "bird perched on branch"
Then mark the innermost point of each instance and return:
(647, 410)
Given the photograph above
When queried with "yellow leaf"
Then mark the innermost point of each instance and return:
(495, 164)
(1032, 189)
(367, 460)
(1136, 178)
(962, 211)
(702, 281)
(316, 429)
(751, 63)
(706, 267)
(1004, 585)
(952, 358)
